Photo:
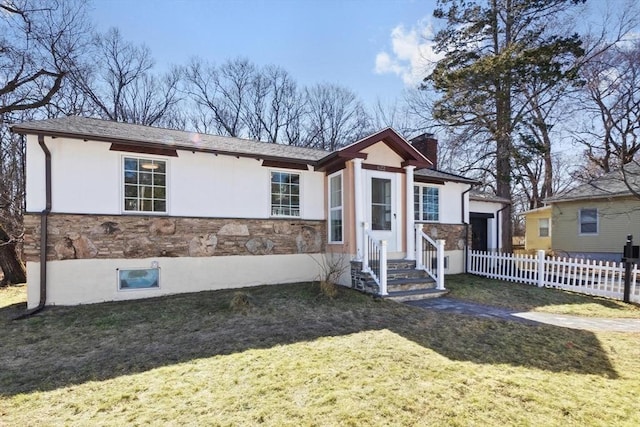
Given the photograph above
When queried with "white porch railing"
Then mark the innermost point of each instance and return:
(430, 256)
(590, 277)
(374, 259)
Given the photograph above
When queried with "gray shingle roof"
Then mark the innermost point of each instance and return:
(606, 186)
(102, 130)
(444, 176)
(481, 196)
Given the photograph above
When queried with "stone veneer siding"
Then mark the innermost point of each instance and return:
(453, 235)
(73, 236)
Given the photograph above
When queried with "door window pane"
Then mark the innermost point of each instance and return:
(380, 204)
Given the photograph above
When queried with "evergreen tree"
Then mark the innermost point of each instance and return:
(492, 49)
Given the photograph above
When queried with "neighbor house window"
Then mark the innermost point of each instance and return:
(145, 185)
(139, 278)
(588, 221)
(543, 227)
(426, 203)
(285, 194)
(335, 208)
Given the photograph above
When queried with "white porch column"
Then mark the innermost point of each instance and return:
(410, 232)
(359, 206)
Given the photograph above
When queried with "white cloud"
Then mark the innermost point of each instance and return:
(412, 57)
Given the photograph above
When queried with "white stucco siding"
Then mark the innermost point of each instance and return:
(451, 202)
(87, 178)
(207, 185)
(72, 282)
(381, 154)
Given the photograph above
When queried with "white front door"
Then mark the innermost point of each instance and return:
(381, 207)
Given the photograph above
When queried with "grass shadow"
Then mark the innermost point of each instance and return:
(63, 346)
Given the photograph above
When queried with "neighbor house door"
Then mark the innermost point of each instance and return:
(381, 207)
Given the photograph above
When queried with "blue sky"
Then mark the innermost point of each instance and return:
(374, 47)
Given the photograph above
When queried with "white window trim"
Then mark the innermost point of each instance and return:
(300, 192)
(597, 232)
(421, 219)
(167, 184)
(330, 209)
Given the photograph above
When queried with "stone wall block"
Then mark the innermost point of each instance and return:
(84, 248)
(260, 246)
(162, 226)
(234, 229)
(135, 236)
(203, 245)
(106, 227)
(308, 240)
(281, 227)
(139, 247)
(64, 249)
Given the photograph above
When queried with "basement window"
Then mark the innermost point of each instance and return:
(138, 278)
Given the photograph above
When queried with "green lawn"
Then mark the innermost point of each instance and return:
(531, 298)
(297, 358)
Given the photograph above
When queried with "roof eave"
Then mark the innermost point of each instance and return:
(134, 142)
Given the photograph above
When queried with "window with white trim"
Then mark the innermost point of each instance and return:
(543, 227)
(588, 218)
(145, 185)
(335, 208)
(285, 194)
(426, 203)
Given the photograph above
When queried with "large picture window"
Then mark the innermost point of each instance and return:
(426, 203)
(145, 185)
(285, 194)
(335, 208)
(588, 221)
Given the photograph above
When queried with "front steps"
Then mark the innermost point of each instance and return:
(404, 282)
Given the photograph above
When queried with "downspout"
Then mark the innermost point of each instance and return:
(44, 216)
(466, 230)
(498, 228)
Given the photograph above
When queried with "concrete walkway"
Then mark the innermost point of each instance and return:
(530, 317)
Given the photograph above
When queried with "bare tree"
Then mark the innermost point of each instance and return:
(220, 94)
(40, 43)
(611, 98)
(120, 84)
(335, 117)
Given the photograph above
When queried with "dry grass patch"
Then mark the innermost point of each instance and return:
(295, 359)
(517, 296)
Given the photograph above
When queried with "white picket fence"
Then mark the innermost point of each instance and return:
(590, 277)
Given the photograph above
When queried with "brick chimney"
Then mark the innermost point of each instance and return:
(428, 146)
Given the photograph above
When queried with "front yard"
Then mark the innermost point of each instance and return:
(293, 357)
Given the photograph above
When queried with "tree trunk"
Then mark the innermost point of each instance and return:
(10, 264)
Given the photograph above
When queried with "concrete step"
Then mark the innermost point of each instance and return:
(406, 273)
(410, 284)
(400, 264)
(418, 294)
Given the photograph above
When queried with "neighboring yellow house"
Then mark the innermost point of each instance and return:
(593, 220)
(538, 229)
